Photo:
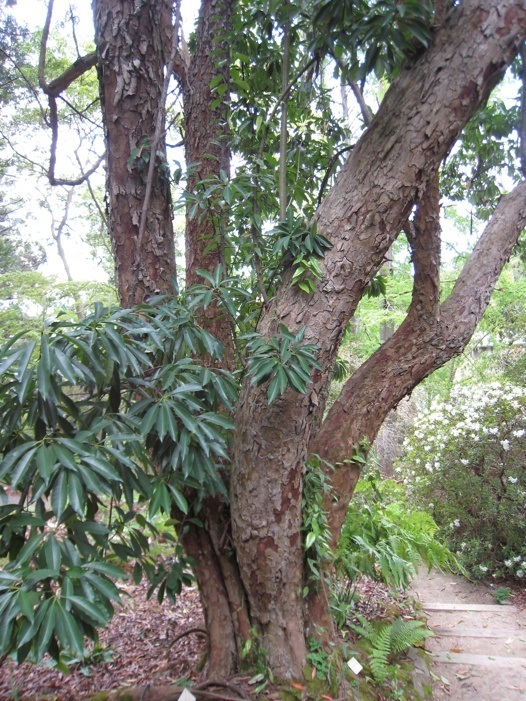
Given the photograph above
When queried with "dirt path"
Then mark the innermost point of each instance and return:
(479, 652)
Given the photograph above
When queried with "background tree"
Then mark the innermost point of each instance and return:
(292, 289)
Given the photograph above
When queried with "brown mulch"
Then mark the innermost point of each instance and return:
(147, 647)
(141, 634)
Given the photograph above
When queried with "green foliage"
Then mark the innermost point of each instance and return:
(102, 412)
(96, 416)
(283, 359)
(384, 540)
(318, 658)
(463, 464)
(315, 528)
(475, 169)
(388, 640)
(295, 239)
(370, 37)
(501, 594)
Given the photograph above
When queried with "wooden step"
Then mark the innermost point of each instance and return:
(489, 608)
(448, 657)
(460, 632)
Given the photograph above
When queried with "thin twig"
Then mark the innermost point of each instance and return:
(43, 48)
(282, 97)
(328, 173)
(284, 116)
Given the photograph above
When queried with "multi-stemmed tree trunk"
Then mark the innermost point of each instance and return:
(249, 557)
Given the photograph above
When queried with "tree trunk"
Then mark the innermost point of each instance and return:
(255, 580)
(131, 38)
(207, 149)
(419, 120)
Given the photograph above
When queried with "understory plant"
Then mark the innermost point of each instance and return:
(465, 463)
(385, 540)
(388, 640)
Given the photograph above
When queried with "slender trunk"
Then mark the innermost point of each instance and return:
(131, 66)
(208, 150)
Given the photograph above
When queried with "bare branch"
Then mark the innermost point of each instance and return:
(57, 233)
(328, 173)
(366, 111)
(82, 65)
(43, 47)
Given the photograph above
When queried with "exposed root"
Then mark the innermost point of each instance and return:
(197, 630)
(225, 685)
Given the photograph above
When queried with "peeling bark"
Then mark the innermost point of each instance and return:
(208, 149)
(131, 43)
(419, 120)
(423, 343)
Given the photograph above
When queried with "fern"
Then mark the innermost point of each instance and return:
(389, 640)
(386, 542)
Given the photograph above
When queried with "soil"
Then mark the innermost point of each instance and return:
(148, 645)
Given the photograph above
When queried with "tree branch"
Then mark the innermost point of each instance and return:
(82, 65)
(366, 111)
(423, 343)
(43, 48)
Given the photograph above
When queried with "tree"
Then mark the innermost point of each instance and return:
(307, 277)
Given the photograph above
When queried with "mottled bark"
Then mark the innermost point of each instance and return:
(131, 40)
(207, 148)
(419, 120)
(430, 335)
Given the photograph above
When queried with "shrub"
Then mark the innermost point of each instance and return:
(465, 463)
(383, 539)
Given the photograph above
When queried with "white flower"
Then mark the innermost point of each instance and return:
(464, 462)
(508, 563)
(519, 434)
(505, 444)
(482, 568)
(519, 573)
(454, 524)
(513, 480)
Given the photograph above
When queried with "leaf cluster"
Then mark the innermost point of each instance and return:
(388, 640)
(284, 360)
(384, 540)
(95, 416)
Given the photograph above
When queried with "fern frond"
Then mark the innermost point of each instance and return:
(405, 634)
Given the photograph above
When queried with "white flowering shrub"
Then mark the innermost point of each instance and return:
(465, 463)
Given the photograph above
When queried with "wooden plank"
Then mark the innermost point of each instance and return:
(460, 632)
(448, 657)
(501, 608)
